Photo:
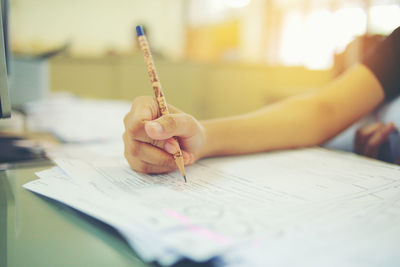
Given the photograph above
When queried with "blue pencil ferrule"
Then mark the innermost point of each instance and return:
(139, 30)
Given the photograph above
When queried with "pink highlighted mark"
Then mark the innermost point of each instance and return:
(203, 232)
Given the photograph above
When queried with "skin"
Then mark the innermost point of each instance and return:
(300, 121)
(370, 138)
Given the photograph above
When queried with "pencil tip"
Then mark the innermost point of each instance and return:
(184, 177)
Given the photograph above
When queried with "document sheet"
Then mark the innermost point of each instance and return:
(76, 120)
(245, 210)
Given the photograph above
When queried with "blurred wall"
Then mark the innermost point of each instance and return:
(224, 85)
(96, 26)
(206, 90)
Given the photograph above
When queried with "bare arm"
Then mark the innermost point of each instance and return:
(299, 121)
(296, 122)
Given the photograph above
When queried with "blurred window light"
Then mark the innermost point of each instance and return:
(291, 46)
(312, 39)
(203, 12)
(237, 3)
(319, 42)
(384, 18)
(213, 11)
(349, 23)
(206, 12)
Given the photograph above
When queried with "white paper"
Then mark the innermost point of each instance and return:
(54, 183)
(356, 232)
(75, 120)
(104, 153)
(229, 203)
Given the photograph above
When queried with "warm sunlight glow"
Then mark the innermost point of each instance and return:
(237, 3)
(384, 18)
(311, 40)
(349, 23)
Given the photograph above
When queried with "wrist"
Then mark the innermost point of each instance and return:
(213, 139)
(205, 150)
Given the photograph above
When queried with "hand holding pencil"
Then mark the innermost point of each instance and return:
(147, 132)
(148, 138)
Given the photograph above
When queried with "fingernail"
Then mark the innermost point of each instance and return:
(170, 148)
(155, 126)
(186, 157)
(191, 159)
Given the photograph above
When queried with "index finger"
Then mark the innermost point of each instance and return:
(377, 139)
(143, 109)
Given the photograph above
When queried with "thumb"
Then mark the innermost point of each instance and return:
(182, 125)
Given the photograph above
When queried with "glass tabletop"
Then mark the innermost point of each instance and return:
(37, 231)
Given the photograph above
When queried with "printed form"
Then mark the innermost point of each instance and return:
(229, 203)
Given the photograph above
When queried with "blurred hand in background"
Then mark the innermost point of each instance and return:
(371, 138)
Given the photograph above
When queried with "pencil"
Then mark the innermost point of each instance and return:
(162, 104)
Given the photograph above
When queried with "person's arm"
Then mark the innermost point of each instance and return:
(384, 62)
(296, 122)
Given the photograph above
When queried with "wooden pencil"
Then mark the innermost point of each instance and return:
(162, 104)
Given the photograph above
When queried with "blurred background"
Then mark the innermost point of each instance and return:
(214, 57)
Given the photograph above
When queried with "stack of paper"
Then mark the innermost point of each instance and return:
(308, 207)
(76, 120)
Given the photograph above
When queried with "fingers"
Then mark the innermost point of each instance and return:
(362, 136)
(149, 140)
(375, 141)
(167, 126)
(174, 110)
(364, 133)
(149, 153)
(188, 158)
(143, 109)
(146, 158)
(370, 129)
(370, 139)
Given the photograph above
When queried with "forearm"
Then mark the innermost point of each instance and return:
(297, 122)
(287, 124)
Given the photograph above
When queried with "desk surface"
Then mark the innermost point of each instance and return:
(36, 231)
